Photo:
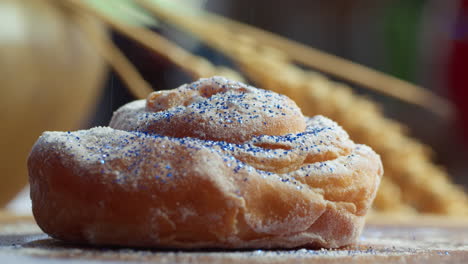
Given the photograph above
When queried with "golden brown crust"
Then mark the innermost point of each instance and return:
(212, 109)
(133, 188)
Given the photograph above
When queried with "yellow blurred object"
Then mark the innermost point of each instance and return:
(50, 78)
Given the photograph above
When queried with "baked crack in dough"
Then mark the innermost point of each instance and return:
(215, 164)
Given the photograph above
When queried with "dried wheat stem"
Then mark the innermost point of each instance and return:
(117, 60)
(195, 66)
(152, 41)
(420, 183)
(126, 70)
(407, 166)
(308, 56)
(408, 169)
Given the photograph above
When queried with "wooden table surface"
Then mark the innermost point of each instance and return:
(384, 240)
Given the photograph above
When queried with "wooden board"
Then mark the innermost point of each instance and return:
(384, 240)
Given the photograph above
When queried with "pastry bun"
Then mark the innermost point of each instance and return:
(213, 164)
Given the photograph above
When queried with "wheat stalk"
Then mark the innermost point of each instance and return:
(114, 57)
(407, 164)
(422, 185)
(196, 66)
(316, 59)
(410, 181)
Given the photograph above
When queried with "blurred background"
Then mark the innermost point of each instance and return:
(413, 40)
(422, 41)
